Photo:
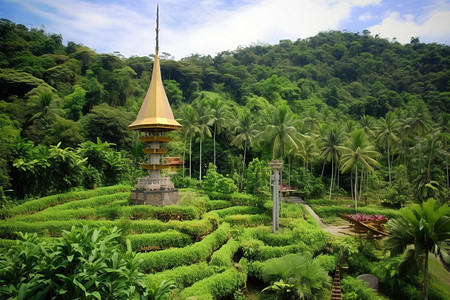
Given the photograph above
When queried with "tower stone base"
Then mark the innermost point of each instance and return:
(154, 197)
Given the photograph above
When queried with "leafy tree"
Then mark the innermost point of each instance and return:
(358, 152)
(204, 120)
(109, 124)
(279, 130)
(187, 117)
(334, 137)
(387, 134)
(73, 103)
(220, 119)
(257, 178)
(66, 132)
(245, 133)
(421, 229)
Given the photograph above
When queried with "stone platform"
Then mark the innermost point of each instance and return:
(154, 197)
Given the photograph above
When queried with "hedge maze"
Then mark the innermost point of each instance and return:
(209, 248)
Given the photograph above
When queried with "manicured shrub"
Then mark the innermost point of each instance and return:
(327, 211)
(328, 262)
(246, 199)
(224, 256)
(248, 220)
(183, 276)
(219, 285)
(164, 259)
(256, 250)
(42, 203)
(163, 213)
(217, 204)
(161, 240)
(239, 210)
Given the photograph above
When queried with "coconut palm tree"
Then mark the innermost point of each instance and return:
(387, 130)
(245, 132)
(204, 120)
(358, 154)
(187, 116)
(419, 231)
(280, 130)
(333, 138)
(44, 104)
(220, 118)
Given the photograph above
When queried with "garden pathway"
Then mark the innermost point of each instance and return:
(334, 230)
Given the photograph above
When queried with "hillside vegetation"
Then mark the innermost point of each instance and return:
(349, 114)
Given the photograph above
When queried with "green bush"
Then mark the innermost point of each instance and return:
(164, 259)
(327, 211)
(246, 200)
(163, 213)
(216, 186)
(217, 204)
(42, 203)
(256, 250)
(328, 262)
(219, 285)
(224, 256)
(248, 220)
(78, 265)
(183, 276)
(356, 289)
(165, 239)
(239, 210)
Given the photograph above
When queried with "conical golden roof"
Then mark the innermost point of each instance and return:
(155, 113)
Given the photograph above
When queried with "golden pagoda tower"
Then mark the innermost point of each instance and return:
(154, 119)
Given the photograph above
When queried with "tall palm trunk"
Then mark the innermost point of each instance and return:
(356, 189)
(389, 162)
(215, 144)
(332, 172)
(184, 153)
(200, 176)
(190, 157)
(243, 164)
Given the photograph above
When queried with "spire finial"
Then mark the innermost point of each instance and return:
(157, 29)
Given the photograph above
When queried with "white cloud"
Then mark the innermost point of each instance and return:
(205, 27)
(365, 16)
(431, 27)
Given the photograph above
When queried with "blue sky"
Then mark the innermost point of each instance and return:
(211, 26)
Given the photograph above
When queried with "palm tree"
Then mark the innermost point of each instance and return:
(333, 138)
(44, 104)
(419, 231)
(245, 131)
(220, 119)
(357, 153)
(419, 123)
(188, 118)
(279, 129)
(367, 124)
(445, 129)
(387, 131)
(204, 120)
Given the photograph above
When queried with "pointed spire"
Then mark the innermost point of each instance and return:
(155, 113)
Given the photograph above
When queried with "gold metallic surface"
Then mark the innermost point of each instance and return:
(154, 151)
(155, 112)
(154, 167)
(147, 139)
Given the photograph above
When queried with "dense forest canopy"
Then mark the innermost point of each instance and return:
(350, 112)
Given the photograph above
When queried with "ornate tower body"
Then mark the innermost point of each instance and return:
(154, 119)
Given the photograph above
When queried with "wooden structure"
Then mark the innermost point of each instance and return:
(336, 292)
(372, 229)
(155, 118)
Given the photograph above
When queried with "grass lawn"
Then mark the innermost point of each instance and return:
(439, 275)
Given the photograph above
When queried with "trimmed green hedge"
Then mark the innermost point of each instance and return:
(183, 276)
(164, 213)
(164, 259)
(224, 256)
(239, 210)
(328, 211)
(42, 203)
(246, 199)
(89, 202)
(219, 285)
(165, 239)
(248, 220)
(217, 204)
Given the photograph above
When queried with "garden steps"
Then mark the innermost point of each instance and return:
(336, 293)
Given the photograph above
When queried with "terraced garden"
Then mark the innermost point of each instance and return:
(210, 249)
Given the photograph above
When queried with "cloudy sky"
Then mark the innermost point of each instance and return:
(211, 26)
